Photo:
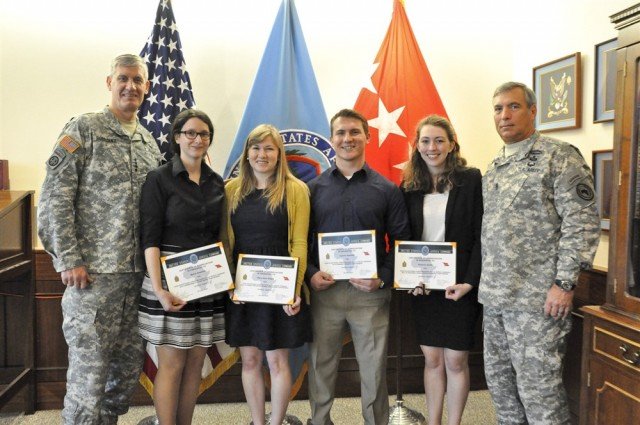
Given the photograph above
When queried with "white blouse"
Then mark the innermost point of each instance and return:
(433, 213)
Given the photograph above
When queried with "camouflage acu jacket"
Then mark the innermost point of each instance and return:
(88, 213)
(540, 223)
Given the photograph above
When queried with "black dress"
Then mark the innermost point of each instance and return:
(265, 326)
(440, 322)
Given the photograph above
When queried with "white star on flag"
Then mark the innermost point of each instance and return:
(165, 119)
(369, 83)
(167, 101)
(149, 117)
(153, 98)
(168, 83)
(183, 85)
(163, 138)
(182, 105)
(401, 165)
(387, 122)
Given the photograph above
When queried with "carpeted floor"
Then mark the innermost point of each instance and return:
(346, 411)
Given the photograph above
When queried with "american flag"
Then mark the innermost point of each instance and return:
(170, 91)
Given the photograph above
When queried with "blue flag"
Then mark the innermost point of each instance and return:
(170, 90)
(285, 94)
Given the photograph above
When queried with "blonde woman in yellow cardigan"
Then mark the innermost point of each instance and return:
(268, 214)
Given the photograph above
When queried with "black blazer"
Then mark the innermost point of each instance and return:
(463, 221)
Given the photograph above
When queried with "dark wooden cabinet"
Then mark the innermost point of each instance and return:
(611, 366)
(591, 290)
(17, 377)
(610, 388)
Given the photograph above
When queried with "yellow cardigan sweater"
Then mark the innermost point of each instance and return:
(298, 209)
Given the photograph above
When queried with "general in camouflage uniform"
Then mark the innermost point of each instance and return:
(540, 228)
(88, 221)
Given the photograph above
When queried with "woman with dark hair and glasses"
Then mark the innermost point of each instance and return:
(181, 208)
(444, 202)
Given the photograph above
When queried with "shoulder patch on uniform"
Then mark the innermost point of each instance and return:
(585, 191)
(68, 143)
(57, 157)
(574, 179)
(577, 150)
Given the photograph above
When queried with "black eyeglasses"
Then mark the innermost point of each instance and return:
(191, 135)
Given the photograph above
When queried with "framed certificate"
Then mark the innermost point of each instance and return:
(430, 263)
(266, 279)
(197, 273)
(348, 254)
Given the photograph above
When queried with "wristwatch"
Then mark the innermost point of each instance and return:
(565, 285)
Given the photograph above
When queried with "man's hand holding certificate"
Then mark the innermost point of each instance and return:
(266, 279)
(430, 263)
(346, 255)
(197, 273)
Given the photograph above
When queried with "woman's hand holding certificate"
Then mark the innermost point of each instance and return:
(266, 279)
(197, 273)
(169, 301)
(431, 264)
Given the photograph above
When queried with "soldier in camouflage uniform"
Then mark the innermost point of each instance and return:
(88, 222)
(540, 228)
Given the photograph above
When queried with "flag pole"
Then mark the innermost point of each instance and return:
(399, 414)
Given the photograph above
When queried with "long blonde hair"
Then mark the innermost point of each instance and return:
(416, 175)
(276, 186)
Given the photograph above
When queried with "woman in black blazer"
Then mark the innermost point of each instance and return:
(444, 201)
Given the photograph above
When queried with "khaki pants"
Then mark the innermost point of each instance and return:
(335, 310)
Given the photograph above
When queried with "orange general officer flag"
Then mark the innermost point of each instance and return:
(401, 93)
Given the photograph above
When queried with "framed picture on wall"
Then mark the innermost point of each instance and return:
(558, 87)
(605, 81)
(603, 183)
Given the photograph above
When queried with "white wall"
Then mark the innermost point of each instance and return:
(54, 57)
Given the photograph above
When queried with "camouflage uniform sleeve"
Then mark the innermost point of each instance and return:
(575, 203)
(56, 210)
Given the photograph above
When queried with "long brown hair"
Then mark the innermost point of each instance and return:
(416, 175)
(276, 186)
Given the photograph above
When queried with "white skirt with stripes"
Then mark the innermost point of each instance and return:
(199, 323)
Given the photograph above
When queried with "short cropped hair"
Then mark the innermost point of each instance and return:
(529, 95)
(129, 60)
(353, 114)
